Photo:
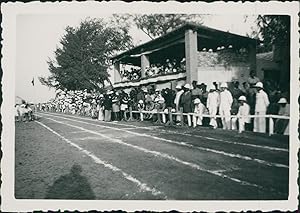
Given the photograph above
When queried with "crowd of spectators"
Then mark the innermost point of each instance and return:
(252, 97)
(155, 69)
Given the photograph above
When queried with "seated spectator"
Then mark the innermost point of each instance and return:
(244, 110)
(282, 125)
(199, 110)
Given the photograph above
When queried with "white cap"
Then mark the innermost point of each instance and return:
(242, 98)
(145, 90)
(224, 85)
(141, 101)
(178, 86)
(110, 92)
(282, 101)
(187, 86)
(197, 101)
(101, 96)
(259, 84)
(211, 87)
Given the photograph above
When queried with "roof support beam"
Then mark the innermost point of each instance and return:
(191, 55)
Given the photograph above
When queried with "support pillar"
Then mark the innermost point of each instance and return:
(144, 64)
(117, 76)
(191, 49)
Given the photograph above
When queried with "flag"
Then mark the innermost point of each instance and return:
(32, 81)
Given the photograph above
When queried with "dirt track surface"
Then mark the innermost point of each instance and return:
(70, 157)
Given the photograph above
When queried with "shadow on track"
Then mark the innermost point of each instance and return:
(71, 186)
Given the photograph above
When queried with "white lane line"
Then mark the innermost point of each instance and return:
(243, 157)
(143, 187)
(87, 138)
(75, 132)
(199, 136)
(163, 155)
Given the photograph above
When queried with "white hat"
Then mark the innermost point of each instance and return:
(157, 90)
(145, 90)
(211, 87)
(101, 96)
(224, 85)
(197, 101)
(242, 98)
(187, 86)
(282, 101)
(259, 84)
(141, 101)
(178, 86)
(110, 92)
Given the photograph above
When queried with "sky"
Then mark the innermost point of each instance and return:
(38, 35)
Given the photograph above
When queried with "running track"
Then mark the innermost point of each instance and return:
(137, 160)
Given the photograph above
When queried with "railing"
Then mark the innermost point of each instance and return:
(162, 119)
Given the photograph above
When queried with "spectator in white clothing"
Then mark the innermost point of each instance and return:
(212, 104)
(244, 110)
(225, 106)
(261, 104)
(199, 110)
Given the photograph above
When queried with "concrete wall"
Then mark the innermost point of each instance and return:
(223, 66)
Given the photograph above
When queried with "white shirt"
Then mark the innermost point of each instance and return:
(262, 101)
(177, 98)
(244, 110)
(213, 100)
(225, 100)
(199, 109)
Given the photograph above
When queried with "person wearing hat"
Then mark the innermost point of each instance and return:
(243, 111)
(107, 103)
(100, 107)
(186, 99)
(115, 106)
(261, 104)
(179, 92)
(212, 104)
(225, 106)
(199, 109)
(124, 97)
(282, 125)
(197, 91)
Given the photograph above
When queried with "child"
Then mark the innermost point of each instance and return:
(199, 110)
(244, 110)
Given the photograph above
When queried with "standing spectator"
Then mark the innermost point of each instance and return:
(179, 92)
(197, 91)
(140, 94)
(213, 100)
(225, 106)
(17, 112)
(124, 105)
(107, 103)
(100, 108)
(261, 105)
(244, 110)
(115, 106)
(186, 99)
(199, 110)
(282, 125)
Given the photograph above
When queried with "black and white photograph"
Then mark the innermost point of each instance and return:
(150, 106)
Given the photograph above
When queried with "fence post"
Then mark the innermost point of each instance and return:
(271, 126)
(181, 116)
(163, 117)
(189, 120)
(141, 115)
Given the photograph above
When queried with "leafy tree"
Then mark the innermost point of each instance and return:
(155, 25)
(82, 60)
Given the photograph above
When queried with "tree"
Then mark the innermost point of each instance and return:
(155, 25)
(83, 59)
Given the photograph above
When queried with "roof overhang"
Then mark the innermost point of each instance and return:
(206, 36)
